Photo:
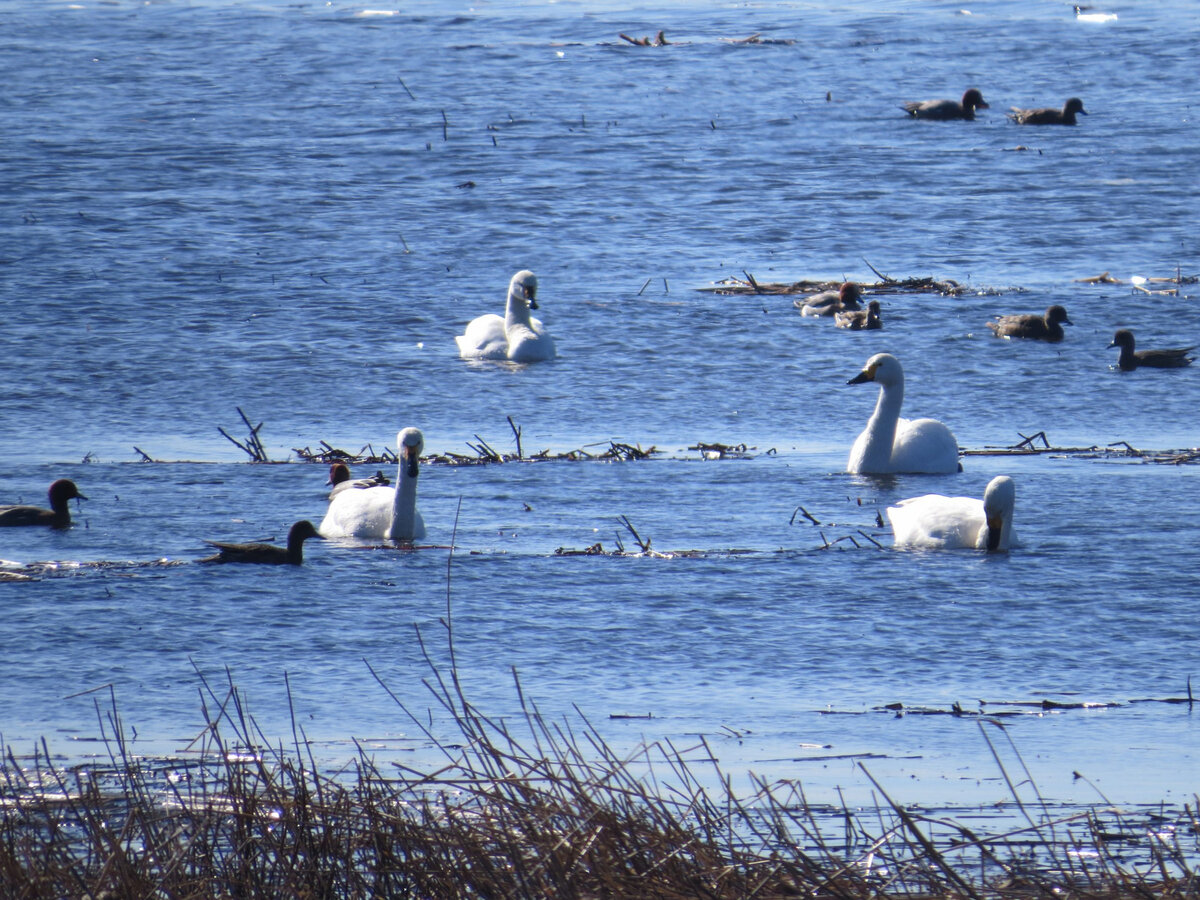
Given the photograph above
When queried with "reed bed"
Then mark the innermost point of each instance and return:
(532, 809)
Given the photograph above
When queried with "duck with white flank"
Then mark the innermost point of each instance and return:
(382, 512)
(890, 444)
(1049, 115)
(1035, 328)
(1130, 359)
(518, 336)
(58, 515)
(339, 477)
(935, 522)
(860, 319)
(268, 554)
(829, 303)
(947, 110)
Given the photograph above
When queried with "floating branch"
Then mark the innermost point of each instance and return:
(253, 446)
(723, 451)
(145, 457)
(659, 40)
(516, 434)
(645, 545)
(757, 39)
(925, 285)
(804, 512)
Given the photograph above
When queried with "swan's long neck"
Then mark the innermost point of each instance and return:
(404, 507)
(881, 427)
(517, 310)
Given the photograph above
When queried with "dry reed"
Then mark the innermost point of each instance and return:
(531, 810)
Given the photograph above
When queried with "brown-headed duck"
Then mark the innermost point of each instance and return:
(292, 554)
(1129, 359)
(339, 477)
(1037, 328)
(946, 110)
(860, 319)
(1049, 115)
(828, 303)
(57, 516)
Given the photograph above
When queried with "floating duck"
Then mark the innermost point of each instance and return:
(945, 110)
(935, 522)
(339, 477)
(1130, 359)
(1033, 327)
(1049, 115)
(58, 515)
(890, 444)
(860, 319)
(389, 513)
(292, 554)
(828, 303)
(518, 336)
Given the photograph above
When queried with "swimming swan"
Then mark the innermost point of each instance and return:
(518, 336)
(891, 444)
(382, 512)
(934, 522)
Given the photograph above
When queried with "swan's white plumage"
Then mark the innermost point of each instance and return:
(518, 336)
(382, 512)
(934, 522)
(890, 444)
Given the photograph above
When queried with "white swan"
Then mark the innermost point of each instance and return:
(891, 444)
(518, 336)
(382, 512)
(934, 522)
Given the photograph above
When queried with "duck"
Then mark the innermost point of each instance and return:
(1038, 328)
(518, 336)
(890, 444)
(1129, 359)
(1049, 115)
(860, 319)
(339, 477)
(60, 494)
(945, 110)
(828, 303)
(389, 513)
(269, 554)
(935, 522)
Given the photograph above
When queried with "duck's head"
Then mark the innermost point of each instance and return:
(849, 295)
(524, 285)
(973, 99)
(1123, 338)
(63, 490)
(338, 472)
(302, 531)
(1057, 315)
(882, 368)
(1074, 105)
(410, 442)
(998, 502)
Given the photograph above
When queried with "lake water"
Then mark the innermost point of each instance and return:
(292, 208)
